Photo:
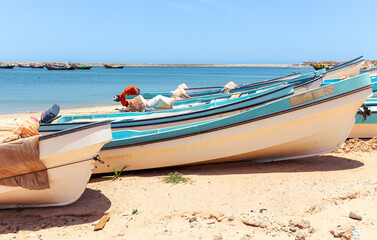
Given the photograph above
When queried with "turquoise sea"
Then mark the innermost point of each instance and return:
(26, 89)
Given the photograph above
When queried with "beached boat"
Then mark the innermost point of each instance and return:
(306, 124)
(68, 157)
(346, 69)
(373, 80)
(152, 120)
(365, 128)
(269, 81)
(60, 67)
(295, 78)
(302, 84)
(371, 71)
(113, 66)
(6, 66)
(209, 108)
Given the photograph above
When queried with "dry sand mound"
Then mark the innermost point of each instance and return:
(358, 145)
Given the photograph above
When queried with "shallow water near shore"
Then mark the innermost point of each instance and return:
(24, 89)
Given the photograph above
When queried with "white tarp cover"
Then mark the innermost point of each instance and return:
(179, 93)
(183, 85)
(229, 87)
(137, 104)
(160, 102)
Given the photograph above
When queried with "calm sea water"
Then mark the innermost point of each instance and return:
(25, 89)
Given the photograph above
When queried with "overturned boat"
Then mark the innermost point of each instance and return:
(57, 170)
(306, 124)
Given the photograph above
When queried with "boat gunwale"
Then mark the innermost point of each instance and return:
(216, 91)
(74, 129)
(345, 64)
(300, 84)
(274, 80)
(234, 124)
(194, 112)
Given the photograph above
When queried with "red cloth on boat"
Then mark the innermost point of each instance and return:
(130, 90)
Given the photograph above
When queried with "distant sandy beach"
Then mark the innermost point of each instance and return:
(296, 199)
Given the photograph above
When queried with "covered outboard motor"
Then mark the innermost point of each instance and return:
(50, 114)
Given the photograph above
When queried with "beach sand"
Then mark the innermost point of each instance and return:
(297, 199)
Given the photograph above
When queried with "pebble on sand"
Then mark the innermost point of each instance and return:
(355, 216)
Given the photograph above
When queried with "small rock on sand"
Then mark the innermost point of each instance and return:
(209, 221)
(251, 222)
(218, 237)
(192, 219)
(296, 224)
(247, 237)
(301, 235)
(356, 216)
(345, 233)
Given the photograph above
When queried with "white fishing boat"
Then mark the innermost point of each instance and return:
(365, 127)
(306, 124)
(68, 156)
(347, 69)
(371, 70)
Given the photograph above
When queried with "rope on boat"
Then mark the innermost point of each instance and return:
(96, 158)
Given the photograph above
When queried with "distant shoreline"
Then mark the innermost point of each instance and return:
(94, 64)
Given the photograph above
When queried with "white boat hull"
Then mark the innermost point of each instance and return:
(364, 131)
(348, 71)
(373, 73)
(306, 132)
(69, 162)
(306, 87)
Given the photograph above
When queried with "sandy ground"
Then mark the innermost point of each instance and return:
(297, 199)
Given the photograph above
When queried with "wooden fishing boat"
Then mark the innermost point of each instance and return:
(153, 120)
(347, 69)
(83, 67)
(37, 66)
(68, 156)
(302, 125)
(60, 67)
(118, 66)
(23, 65)
(6, 66)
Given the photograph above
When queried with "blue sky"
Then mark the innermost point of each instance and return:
(187, 31)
